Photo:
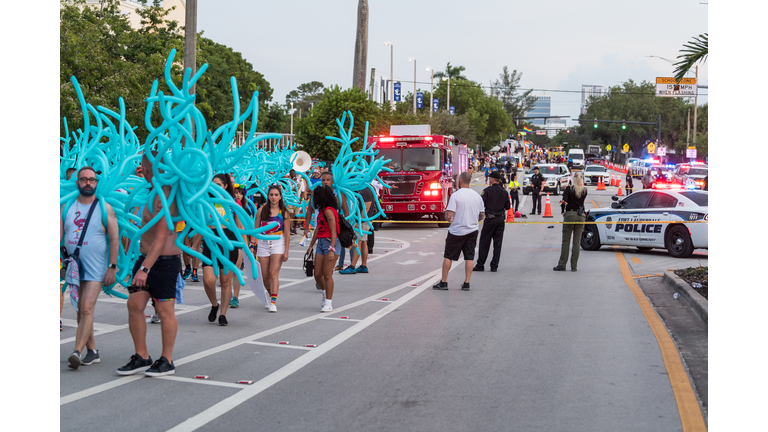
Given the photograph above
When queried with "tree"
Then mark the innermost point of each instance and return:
(505, 89)
(111, 60)
(214, 90)
(305, 96)
(452, 72)
(311, 132)
(695, 51)
(361, 46)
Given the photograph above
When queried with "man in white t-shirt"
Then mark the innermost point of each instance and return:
(465, 210)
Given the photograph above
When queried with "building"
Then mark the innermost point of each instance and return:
(588, 90)
(555, 125)
(128, 7)
(541, 108)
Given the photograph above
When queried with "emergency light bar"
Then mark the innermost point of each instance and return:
(387, 139)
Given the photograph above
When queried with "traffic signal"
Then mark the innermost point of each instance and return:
(623, 124)
(567, 131)
(595, 123)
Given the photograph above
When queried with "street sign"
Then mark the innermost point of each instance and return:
(651, 148)
(452, 110)
(626, 147)
(419, 100)
(691, 153)
(608, 147)
(435, 104)
(397, 92)
(662, 151)
(541, 132)
(669, 87)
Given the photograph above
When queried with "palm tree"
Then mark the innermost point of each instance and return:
(452, 72)
(361, 46)
(694, 52)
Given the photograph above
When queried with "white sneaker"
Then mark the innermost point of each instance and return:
(155, 319)
(272, 307)
(326, 308)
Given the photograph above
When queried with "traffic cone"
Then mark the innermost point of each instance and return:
(600, 184)
(547, 208)
(612, 183)
(619, 185)
(510, 215)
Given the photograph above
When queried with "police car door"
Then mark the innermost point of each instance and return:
(624, 230)
(657, 212)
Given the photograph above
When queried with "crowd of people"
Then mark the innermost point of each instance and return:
(163, 267)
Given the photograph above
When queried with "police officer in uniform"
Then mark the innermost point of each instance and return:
(496, 205)
(537, 187)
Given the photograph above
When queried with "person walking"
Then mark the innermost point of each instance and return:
(537, 187)
(496, 204)
(85, 238)
(628, 186)
(273, 253)
(465, 210)
(367, 200)
(514, 189)
(326, 237)
(155, 275)
(572, 208)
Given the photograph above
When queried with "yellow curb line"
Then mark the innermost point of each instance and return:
(687, 405)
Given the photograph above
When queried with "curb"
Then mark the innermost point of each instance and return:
(695, 301)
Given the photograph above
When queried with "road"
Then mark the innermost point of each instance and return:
(526, 349)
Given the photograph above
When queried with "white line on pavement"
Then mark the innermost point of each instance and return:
(201, 381)
(280, 345)
(221, 408)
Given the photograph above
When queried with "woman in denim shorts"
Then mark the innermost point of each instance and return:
(273, 253)
(327, 242)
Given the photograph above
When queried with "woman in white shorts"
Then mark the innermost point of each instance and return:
(273, 253)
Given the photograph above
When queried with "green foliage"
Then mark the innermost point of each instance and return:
(305, 96)
(214, 87)
(311, 131)
(632, 102)
(505, 89)
(695, 51)
(277, 119)
(111, 60)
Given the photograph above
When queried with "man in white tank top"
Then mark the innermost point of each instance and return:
(98, 265)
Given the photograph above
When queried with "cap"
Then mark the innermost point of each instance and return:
(495, 175)
(536, 167)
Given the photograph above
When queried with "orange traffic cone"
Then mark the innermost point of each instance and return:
(619, 185)
(600, 184)
(612, 183)
(510, 215)
(547, 208)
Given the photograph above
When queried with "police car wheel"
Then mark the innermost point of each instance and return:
(590, 239)
(679, 243)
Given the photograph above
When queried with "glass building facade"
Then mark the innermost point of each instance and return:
(541, 108)
(588, 90)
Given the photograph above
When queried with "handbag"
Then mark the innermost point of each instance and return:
(309, 263)
(71, 266)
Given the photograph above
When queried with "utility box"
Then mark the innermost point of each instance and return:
(412, 130)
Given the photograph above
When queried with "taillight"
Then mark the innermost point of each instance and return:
(706, 217)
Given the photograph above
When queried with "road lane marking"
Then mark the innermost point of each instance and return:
(199, 381)
(340, 319)
(221, 408)
(280, 345)
(687, 404)
(636, 260)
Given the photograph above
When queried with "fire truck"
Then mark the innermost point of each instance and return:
(425, 168)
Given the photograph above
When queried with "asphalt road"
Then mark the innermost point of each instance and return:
(526, 349)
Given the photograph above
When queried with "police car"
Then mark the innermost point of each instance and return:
(651, 208)
(593, 173)
(556, 178)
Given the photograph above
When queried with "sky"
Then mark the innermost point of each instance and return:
(555, 44)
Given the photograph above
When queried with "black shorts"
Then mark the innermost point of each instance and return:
(455, 245)
(232, 254)
(161, 279)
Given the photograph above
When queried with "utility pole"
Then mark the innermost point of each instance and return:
(414, 87)
(688, 138)
(431, 90)
(695, 105)
(190, 45)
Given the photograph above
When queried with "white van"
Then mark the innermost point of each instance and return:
(577, 155)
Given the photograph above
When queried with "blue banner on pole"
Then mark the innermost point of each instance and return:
(452, 110)
(419, 100)
(435, 104)
(397, 92)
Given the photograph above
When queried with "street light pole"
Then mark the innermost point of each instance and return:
(448, 102)
(695, 105)
(391, 72)
(291, 118)
(414, 85)
(431, 90)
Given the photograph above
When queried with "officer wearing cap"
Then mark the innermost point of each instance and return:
(496, 203)
(537, 187)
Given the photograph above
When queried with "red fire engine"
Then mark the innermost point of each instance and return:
(425, 168)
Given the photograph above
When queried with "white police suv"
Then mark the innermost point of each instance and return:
(638, 220)
(556, 178)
